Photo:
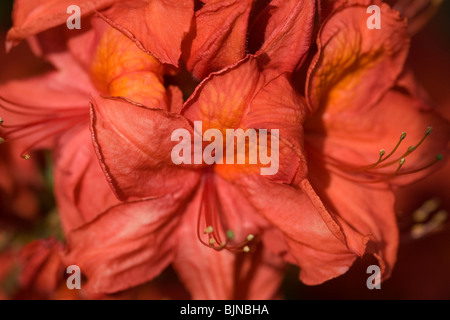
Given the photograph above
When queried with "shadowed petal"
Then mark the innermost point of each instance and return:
(220, 36)
(366, 209)
(315, 239)
(125, 246)
(355, 65)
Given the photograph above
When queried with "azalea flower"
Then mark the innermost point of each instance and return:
(368, 103)
(227, 230)
(75, 170)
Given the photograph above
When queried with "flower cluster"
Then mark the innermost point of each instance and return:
(352, 126)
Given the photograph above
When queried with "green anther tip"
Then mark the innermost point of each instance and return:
(411, 148)
(439, 157)
(429, 130)
(230, 234)
(403, 136)
(382, 152)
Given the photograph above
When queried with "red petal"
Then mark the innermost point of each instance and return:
(278, 106)
(288, 33)
(34, 16)
(220, 36)
(42, 268)
(134, 145)
(314, 238)
(355, 66)
(157, 26)
(78, 176)
(222, 99)
(209, 274)
(125, 246)
(363, 208)
(353, 138)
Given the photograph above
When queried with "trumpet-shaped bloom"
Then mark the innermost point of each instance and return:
(361, 102)
(129, 210)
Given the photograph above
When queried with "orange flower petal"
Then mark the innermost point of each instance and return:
(125, 246)
(134, 144)
(220, 36)
(158, 27)
(355, 66)
(34, 16)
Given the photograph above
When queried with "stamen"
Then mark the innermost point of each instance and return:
(437, 159)
(372, 173)
(410, 149)
(402, 137)
(211, 214)
(400, 164)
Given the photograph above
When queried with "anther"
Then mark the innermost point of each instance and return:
(403, 136)
(209, 230)
(2, 140)
(400, 164)
(230, 234)
(250, 237)
(435, 224)
(429, 206)
(382, 153)
(246, 249)
(212, 241)
(1, 121)
(26, 156)
(429, 130)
